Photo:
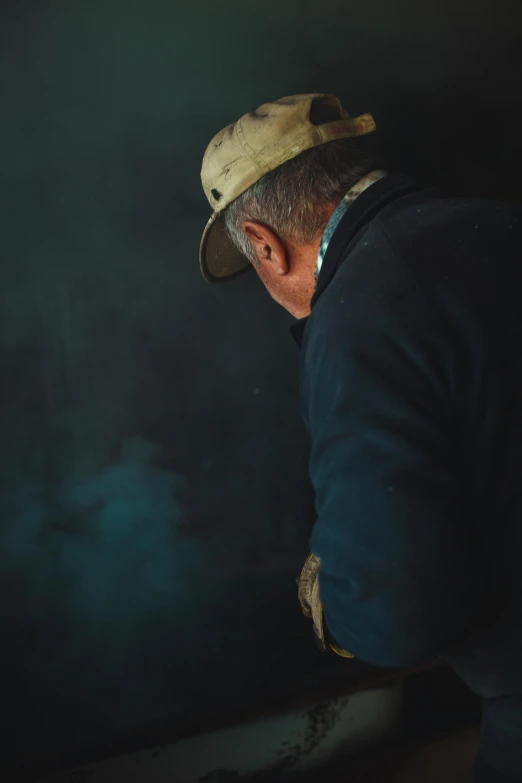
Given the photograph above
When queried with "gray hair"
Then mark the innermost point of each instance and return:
(292, 199)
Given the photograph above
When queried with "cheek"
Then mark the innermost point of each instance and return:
(272, 289)
(275, 286)
(265, 279)
(260, 272)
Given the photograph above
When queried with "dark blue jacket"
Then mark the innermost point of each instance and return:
(411, 384)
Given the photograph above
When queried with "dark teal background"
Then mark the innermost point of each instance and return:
(154, 505)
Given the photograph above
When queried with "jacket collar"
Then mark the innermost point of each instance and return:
(359, 213)
(340, 211)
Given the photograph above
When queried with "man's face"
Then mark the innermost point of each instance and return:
(295, 289)
(286, 268)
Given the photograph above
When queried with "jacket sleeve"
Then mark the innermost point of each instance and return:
(394, 532)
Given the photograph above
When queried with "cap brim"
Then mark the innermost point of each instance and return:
(219, 259)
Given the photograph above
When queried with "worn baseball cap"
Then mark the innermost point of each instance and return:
(259, 142)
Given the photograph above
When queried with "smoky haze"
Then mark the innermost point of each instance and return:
(154, 499)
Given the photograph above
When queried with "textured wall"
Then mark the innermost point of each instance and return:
(154, 503)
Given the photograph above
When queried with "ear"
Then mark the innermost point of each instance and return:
(270, 250)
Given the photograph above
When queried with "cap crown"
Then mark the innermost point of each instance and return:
(240, 154)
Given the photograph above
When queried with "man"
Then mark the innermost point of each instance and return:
(410, 324)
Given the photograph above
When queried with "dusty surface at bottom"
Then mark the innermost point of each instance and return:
(449, 759)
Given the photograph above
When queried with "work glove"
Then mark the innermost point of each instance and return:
(312, 607)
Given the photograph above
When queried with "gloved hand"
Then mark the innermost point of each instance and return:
(312, 607)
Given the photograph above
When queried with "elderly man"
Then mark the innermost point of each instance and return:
(409, 316)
